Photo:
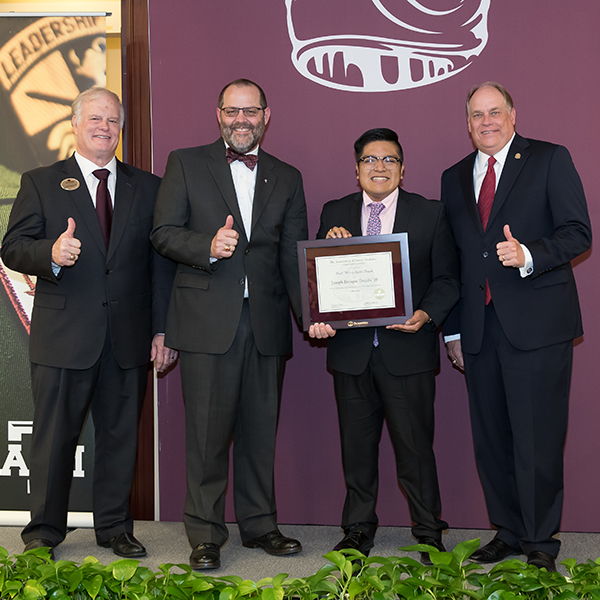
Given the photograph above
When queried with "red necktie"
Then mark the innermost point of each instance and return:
(249, 160)
(486, 199)
(486, 194)
(104, 207)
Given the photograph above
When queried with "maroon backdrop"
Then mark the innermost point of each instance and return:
(544, 51)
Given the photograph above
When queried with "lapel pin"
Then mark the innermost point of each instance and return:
(518, 155)
(69, 184)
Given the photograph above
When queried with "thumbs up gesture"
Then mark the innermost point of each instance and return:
(224, 243)
(510, 253)
(67, 248)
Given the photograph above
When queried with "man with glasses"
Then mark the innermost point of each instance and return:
(388, 373)
(230, 215)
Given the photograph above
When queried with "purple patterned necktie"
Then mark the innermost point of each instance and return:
(249, 160)
(484, 204)
(104, 208)
(374, 228)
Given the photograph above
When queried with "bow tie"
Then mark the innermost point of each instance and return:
(249, 160)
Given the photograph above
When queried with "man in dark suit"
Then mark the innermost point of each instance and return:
(230, 215)
(389, 373)
(99, 313)
(519, 216)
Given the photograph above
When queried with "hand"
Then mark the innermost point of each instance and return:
(454, 350)
(510, 253)
(413, 324)
(224, 243)
(67, 248)
(321, 331)
(160, 355)
(338, 232)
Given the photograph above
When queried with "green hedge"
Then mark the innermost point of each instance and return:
(348, 576)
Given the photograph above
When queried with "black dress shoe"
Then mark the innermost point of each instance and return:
(125, 545)
(275, 543)
(541, 560)
(40, 544)
(492, 552)
(357, 540)
(206, 555)
(425, 558)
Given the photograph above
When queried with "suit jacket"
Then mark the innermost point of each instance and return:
(196, 196)
(434, 281)
(541, 197)
(124, 290)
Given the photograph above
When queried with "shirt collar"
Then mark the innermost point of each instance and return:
(482, 158)
(88, 167)
(387, 201)
(255, 151)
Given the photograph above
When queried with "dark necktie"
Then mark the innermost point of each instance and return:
(486, 194)
(104, 207)
(374, 228)
(486, 199)
(249, 160)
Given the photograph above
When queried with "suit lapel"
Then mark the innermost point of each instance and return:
(84, 204)
(222, 174)
(123, 202)
(403, 210)
(356, 214)
(510, 172)
(266, 178)
(466, 183)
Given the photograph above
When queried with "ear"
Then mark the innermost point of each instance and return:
(402, 172)
(267, 115)
(356, 166)
(513, 115)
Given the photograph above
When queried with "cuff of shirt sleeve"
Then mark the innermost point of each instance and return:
(451, 338)
(527, 269)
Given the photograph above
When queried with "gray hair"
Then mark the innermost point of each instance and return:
(94, 93)
(508, 101)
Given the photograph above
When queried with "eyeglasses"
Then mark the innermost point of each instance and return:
(249, 111)
(389, 162)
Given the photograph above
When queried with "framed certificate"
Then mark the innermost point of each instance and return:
(356, 282)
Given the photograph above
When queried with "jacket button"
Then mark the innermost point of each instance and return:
(242, 281)
(246, 251)
(107, 272)
(485, 255)
(105, 303)
(482, 287)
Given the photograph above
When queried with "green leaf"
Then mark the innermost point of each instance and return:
(176, 592)
(34, 589)
(92, 586)
(247, 587)
(272, 594)
(124, 569)
(463, 550)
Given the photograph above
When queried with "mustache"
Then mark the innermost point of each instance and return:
(236, 126)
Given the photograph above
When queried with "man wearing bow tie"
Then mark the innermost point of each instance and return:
(82, 227)
(230, 215)
(519, 217)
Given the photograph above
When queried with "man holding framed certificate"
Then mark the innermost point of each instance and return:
(388, 373)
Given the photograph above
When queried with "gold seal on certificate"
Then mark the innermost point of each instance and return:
(356, 282)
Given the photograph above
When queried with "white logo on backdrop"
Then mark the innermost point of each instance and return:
(438, 45)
